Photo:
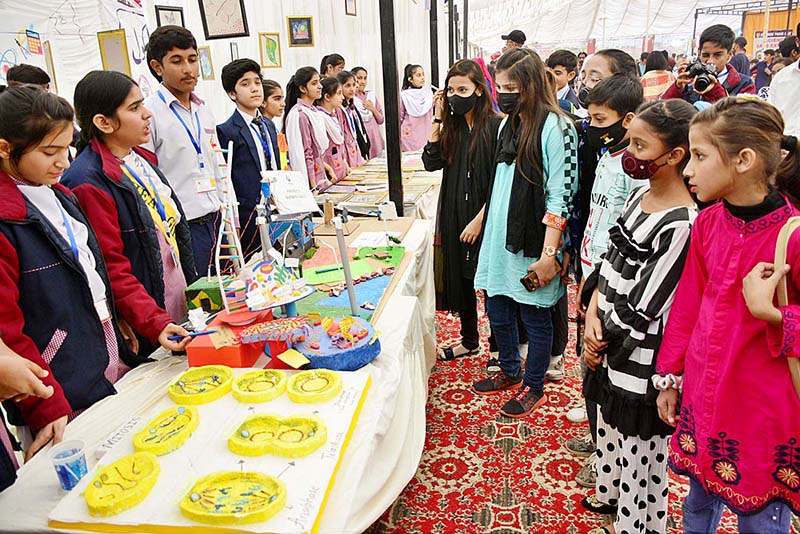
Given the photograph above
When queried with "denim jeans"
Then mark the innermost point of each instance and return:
(702, 512)
(538, 324)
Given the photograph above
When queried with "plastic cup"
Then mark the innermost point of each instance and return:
(69, 461)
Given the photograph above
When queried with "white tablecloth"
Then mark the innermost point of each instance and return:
(385, 448)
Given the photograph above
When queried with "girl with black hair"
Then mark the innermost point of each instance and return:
(528, 204)
(305, 131)
(331, 65)
(356, 141)
(369, 107)
(139, 221)
(58, 309)
(416, 109)
(329, 104)
(463, 144)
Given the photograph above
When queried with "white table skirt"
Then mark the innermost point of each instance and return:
(386, 446)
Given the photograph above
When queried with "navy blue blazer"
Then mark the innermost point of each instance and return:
(245, 168)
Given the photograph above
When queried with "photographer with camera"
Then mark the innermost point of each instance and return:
(711, 77)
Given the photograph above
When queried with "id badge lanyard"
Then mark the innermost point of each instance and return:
(73, 243)
(266, 144)
(195, 142)
(154, 194)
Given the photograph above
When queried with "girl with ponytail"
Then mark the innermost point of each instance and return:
(305, 130)
(139, 221)
(416, 109)
(721, 366)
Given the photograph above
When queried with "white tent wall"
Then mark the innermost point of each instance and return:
(71, 27)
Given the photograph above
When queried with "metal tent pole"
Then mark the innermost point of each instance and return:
(434, 37)
(465, 6)
(391, 89)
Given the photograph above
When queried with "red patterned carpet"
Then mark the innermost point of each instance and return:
(484, 473)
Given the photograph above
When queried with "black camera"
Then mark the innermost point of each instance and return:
(701, 72)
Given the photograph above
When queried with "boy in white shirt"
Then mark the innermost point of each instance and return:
(182, 130)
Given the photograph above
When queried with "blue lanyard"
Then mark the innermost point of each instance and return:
(162, 212)
(195, 142)
(267, 145)
(352, 122)
(70, 233)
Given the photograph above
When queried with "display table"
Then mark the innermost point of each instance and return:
(386, 446)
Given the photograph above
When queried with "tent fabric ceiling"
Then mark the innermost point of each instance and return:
(546, 21)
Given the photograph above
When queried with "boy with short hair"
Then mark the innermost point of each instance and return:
(716, 46)
(182, 131)
(253, 152)
(564, 66)
(611, 105)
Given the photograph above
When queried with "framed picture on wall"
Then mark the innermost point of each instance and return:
(50, 66)
(223, 18)
(114, 51)
(350, 7)
(301, 31)
(169, 16)
(206, 65)
(270, 46)
(234, 51)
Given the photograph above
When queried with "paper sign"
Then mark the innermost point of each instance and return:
(293, 359)
(291, 193)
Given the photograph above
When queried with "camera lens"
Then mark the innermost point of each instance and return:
(702, 82)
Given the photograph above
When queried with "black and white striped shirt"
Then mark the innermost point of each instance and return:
(638, 279)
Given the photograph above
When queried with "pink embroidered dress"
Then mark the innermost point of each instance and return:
(372, 123)
(739, 428)
(346, 123)
(416, 114)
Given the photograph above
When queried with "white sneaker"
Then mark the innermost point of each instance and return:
(555, 371)
(578, 414)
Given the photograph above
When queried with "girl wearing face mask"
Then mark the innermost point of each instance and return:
(416, 109)
(626, 317)
(462, 142)
(528, 203)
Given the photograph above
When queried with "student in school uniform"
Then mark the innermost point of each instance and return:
(328, 104)
(273, 107)
(253, 151)
(416, 109)
(356, 142)
(369, 108)
(138, 220)
(182, 130)
(58, 307)
(305, 131)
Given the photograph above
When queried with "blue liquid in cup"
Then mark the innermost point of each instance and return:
(70, 473)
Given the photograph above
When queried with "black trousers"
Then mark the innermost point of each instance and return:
(470, 338)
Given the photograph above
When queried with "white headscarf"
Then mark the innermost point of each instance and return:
(418, 102)
(294, 138)
(332, 127)
(366, 115)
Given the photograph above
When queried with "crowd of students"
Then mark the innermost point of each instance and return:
(663, 199)
(666, 201)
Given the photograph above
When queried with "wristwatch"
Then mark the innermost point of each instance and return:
(549, 250)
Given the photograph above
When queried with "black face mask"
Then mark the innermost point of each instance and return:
(461, 105)
(508, 102)
(582, 96)
(606, 137)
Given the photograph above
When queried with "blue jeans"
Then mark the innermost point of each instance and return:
(538, 323)
(702, 512)
(204, 240)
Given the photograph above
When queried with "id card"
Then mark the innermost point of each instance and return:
(204, 181)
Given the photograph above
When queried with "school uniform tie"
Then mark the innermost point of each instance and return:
(262, 130)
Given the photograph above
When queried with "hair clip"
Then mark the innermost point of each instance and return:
(789, 143)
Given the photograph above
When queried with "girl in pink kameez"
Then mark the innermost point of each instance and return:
(349, 121)
(369, 107)
(305, 131)
(416, 110)
(738, 432)
(331, 101)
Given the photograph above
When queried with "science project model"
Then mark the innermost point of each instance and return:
(346, 344)
(222, 461)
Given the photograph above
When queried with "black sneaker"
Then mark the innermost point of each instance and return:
(496, 383)
(524, 402)
(493, 366)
